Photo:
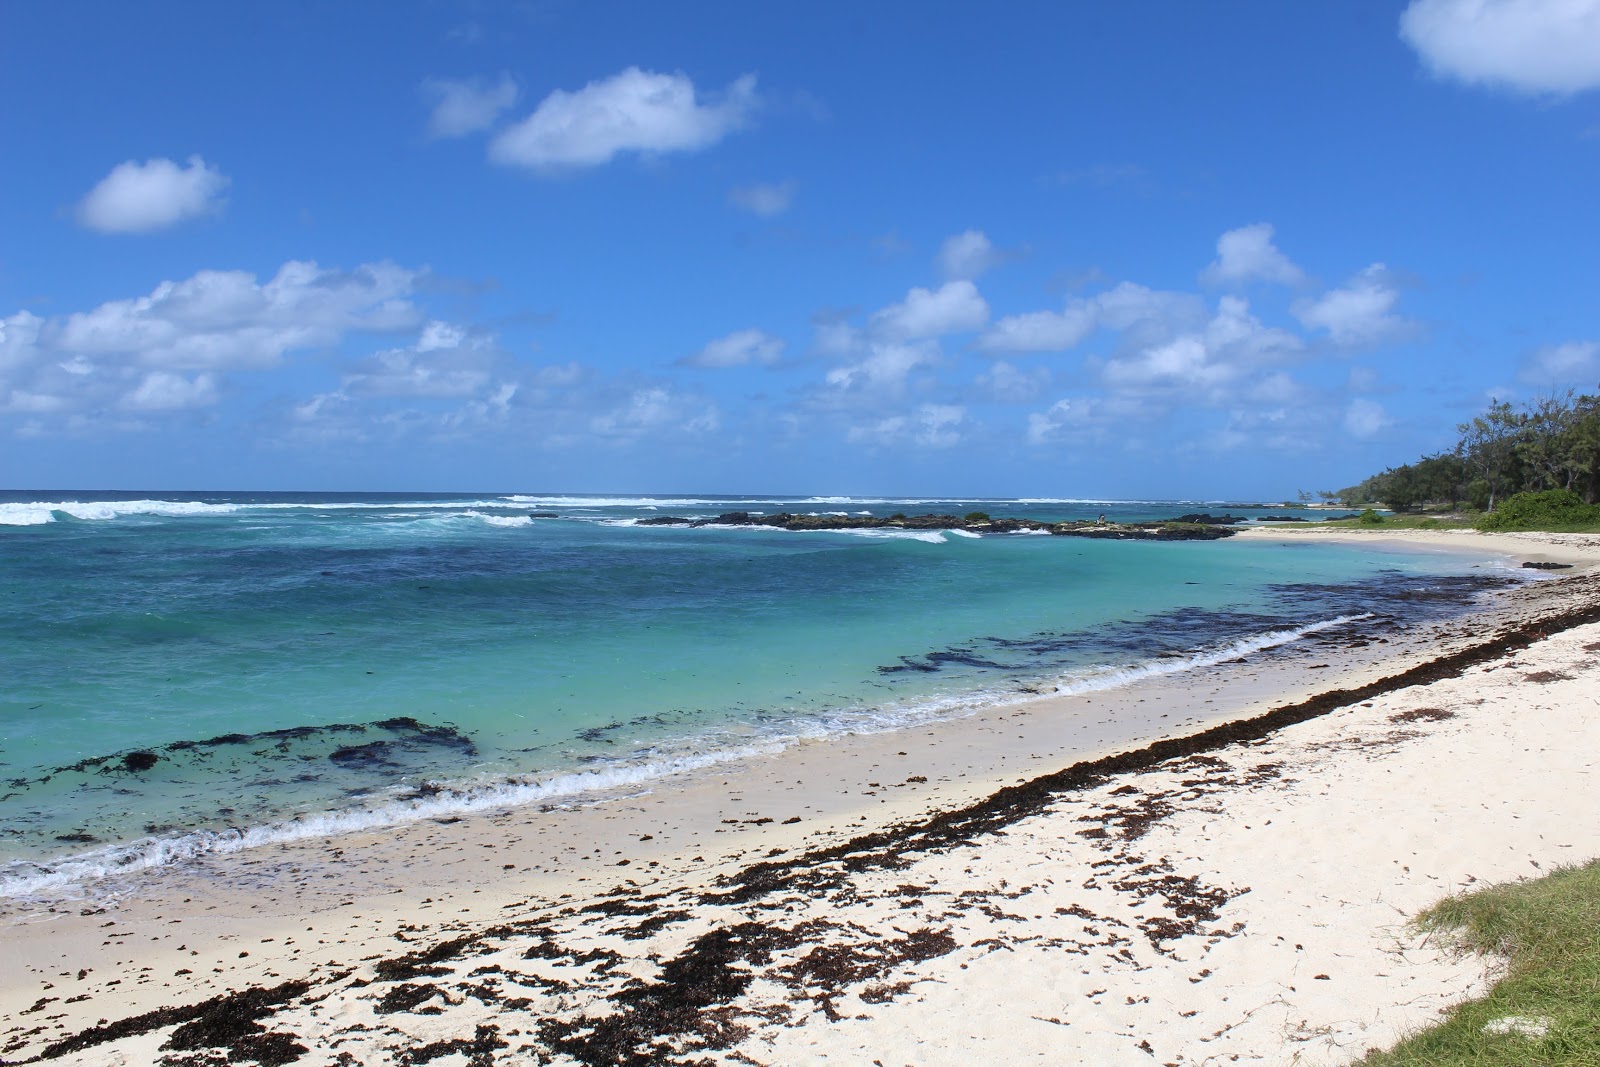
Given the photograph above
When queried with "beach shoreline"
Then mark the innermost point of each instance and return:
(310, 911)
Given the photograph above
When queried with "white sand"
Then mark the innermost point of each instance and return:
(1038, 944)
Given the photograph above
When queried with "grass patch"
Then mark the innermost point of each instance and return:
(1548, 930)
(1555, 509)
(1396, 522)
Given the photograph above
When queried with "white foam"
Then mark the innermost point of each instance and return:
(1097, 679)
(28, 879)
(500, 520)
(33, 513)
(26, 514)
(42, 511)
(965, 533)
(71, 873)
(932, 537)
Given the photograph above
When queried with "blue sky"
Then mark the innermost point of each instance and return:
(1134, 249)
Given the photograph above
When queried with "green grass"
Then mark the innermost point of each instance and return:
(1395, 522)
(1548, 931)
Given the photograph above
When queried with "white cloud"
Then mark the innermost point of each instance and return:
(1531, 46)
(763, 200)
(1360, 312)
(738, 349)
(929, 426)
(955, 307)
(1009, 384)
(1149, 312)
(655, 408)
(226, 320)
(1148, 316)
(634, 111)
(967, 255)
(19, 334)
(1248, 254)
(165, 391)
(445, 362)
(1042, 331)
(1183, 361)
(169, 350)
(1365, 418)
(1206, 362)
(463, 106)
(143, 197)
(1570, 362)
(1277, 388)
(1086, 418)
(884, 371)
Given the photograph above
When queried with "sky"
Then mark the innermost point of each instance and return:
(1121, 250)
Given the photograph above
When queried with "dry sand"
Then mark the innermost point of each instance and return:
(1239, 899)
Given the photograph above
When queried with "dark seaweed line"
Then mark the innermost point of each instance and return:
(700, 976)
(888, 847)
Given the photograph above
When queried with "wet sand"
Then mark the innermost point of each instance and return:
(908, 897)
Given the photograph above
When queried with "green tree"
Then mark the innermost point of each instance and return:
(1488, 445)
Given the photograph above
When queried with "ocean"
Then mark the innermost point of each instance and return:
(193, 672)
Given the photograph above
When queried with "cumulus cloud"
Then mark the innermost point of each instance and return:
(165, 391)
(1248, 254)
(227, 320)
(955, 307)
(929, 426)
(1147, 315)
(1361, 312)
(764, 200)
(1205, 364)
(171, 349)
(967, 255)
(738, 349)
(445, 361)
(1042, 331)
(144, 197)
(1365, 418)
(463, 106)
(1529, 46)
(634, 111)
(1570, 362)
(883, 372)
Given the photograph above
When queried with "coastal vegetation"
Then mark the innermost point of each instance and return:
(1551, 443)
(1545, 1009)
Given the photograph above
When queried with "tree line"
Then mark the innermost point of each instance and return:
(1552, 442)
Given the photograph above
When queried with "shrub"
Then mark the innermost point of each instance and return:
(977, 516)
(1553, 509)
(1370, 518)
(898, 516)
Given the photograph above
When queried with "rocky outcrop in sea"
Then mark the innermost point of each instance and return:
(1188, 528)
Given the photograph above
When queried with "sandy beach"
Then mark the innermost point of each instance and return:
(1046, 882)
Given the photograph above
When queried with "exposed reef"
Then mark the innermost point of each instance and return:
(1187, 528)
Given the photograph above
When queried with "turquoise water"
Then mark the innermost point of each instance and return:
(193, 671)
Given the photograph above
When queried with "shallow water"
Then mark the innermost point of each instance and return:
(193, 671)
